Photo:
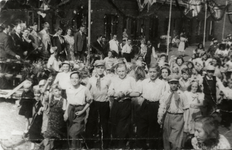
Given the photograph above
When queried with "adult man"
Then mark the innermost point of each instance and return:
(120, 89)
(18, 42)
(114, 44)
(212, 49)
(174, 105)
(126, 50)
(99, 109)
(97, 48)
(151, 90)
(149, 53)
(58, 41)
(80, 43)
(5, 50)
(46, 40)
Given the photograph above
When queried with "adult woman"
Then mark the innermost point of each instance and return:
(110, 60)
(181, 46)
(165, 72)
(207, 135)
(69, 40)
(195, 99)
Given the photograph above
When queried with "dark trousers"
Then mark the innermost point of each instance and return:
(208, 105)
(149, 131)
(120, 123)
(226, 117)
(98, 123)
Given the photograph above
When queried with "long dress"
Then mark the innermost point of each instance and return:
(56, 124)
(181, 46)
(194, 111)
(70, 47)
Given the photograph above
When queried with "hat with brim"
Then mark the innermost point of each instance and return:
(210, 68)
(99, 63)
(65, 62)
(42, 82)
(173, 78)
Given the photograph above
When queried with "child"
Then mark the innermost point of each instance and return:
(27, 101)
(184, 80)
(207, 135)
(56, 124)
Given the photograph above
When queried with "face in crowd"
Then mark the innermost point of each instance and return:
(75, 79)
(122, 71)
(115, 37)
(210, 73)
(66, 67)
(154, 73)
(100, 70)
(164, 73)
(56, 92)
(199, 132)
(194, 87)
(174, 85)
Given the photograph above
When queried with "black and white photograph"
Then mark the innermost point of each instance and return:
(115, 74)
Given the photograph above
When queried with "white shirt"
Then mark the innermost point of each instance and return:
(118, 85)
(114, 45)
(63, 79)
(152, 91)
(99, 95)
(126, 49)
(53, 63)
(173, 108)
(79, 96)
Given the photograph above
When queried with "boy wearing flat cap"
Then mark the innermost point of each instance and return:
(210, 84)
(172, 115)
(98, 86)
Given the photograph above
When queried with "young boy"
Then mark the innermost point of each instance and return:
(79, 99)
(99, 108)
(171, 115)
(184, 80)
(120, 90)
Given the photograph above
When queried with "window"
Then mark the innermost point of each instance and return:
(111, 25)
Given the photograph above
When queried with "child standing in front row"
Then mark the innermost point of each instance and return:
(56, 125)
(27, 101)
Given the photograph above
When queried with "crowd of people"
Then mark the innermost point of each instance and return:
(121, 99)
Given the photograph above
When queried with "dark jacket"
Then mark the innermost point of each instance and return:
(5, 49)
(79, 42)
(18, 44)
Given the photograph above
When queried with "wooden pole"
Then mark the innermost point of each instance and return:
(89, 32)
(224, 23)
(205, 22)
(169, 27)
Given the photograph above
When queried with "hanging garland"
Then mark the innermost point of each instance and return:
(211, 5)
(212, 10)
(230, 20)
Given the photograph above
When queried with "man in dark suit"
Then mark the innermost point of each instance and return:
(149, 53)
(5, 50)
(59, 42)
(18, 42)
(80, 43)
(97, 48)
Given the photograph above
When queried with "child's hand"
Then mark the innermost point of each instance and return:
(79, 113)
(65, 116)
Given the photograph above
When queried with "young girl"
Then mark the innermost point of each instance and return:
(56, 124)
(207, 136)
(27, 101)
(195, 98)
